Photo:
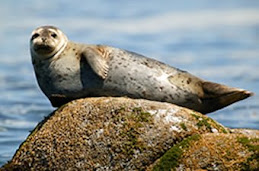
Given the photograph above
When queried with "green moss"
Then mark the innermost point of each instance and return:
(183, 126)
(249, 143)
(208, 123)
(171, 158)
(141, 115)
(202, 121)
(132, 143)
(218, 126)
(133, 121)
(120, 110)
(195, 116)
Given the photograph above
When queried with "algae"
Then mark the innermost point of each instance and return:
(171, 158)
(133, 121)
(252, 162)
(183, 126)
(208, 123)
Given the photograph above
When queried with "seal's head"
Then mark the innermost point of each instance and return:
(47, 41)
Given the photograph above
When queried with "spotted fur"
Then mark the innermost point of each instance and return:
(73, 70)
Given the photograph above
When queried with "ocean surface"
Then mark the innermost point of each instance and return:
(215, 40)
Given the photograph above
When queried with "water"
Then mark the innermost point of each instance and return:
(215, 40)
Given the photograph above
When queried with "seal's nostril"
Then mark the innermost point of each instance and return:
(43, 39)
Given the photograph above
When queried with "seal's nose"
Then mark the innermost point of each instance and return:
(44, 39)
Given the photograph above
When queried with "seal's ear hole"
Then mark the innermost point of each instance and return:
(35, 36)
(54, 35)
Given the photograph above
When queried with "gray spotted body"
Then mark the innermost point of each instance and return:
(80, 70)
(136, 76)
(129, 75)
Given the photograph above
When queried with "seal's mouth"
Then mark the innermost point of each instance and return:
(43, 48)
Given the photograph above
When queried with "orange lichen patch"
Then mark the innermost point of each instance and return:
(219, 152)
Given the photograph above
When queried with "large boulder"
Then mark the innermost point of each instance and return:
(129, 134)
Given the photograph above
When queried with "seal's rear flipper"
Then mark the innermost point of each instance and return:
(217, 96)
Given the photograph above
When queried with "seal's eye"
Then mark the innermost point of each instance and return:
(54, 35)
(35, 36)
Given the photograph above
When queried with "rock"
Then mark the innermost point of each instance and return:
(129, 134)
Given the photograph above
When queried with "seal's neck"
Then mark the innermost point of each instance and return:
(56, 55)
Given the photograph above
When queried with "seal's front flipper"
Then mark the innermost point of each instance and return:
(217, 96)
(96, 61)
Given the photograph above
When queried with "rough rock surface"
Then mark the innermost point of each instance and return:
(127, 134)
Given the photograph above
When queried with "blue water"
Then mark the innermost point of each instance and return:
(215, 40)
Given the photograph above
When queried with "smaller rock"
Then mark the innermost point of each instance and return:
(213, 152)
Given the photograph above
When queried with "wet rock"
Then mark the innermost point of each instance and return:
(127, 134)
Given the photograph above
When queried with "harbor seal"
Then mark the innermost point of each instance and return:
(66, 71)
